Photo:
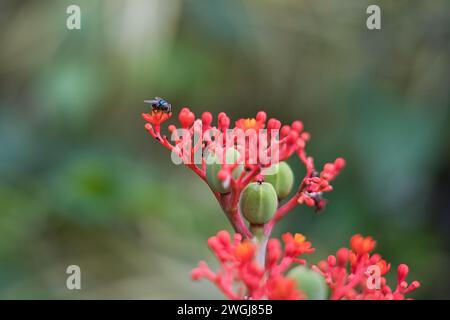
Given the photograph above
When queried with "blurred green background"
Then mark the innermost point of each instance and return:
(81, 182)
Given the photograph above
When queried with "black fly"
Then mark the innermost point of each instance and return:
(160, 104)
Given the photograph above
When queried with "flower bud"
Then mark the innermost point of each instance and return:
(273, 124)
(261, 116)
(297, 126)
(284, 132)
(214, 166)
(282, 179)
(207, 118)
(258, 202)
(310, 282)
(186, 117)
(223, 121)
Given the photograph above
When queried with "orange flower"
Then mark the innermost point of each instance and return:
(296, 245)
(156, 117)
(249, 123)
(245, 251)
(384, 266)
(299, 238)
(362, 245)
(280, 288)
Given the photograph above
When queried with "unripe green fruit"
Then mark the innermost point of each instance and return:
(311, 283)
(282, 180)
(213, 166)
(258, 202)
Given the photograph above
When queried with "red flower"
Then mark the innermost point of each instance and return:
(156, 117)
(296, 245)
(361, 245)
(384, 266)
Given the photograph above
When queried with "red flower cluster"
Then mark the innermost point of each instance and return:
(292, 140)
(351, 274)
(355, 274)
(316, 185)
(252, 266)
(242, 277)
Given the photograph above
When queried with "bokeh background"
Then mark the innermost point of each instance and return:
(81, 182)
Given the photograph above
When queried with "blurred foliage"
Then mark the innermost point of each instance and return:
(82, 183)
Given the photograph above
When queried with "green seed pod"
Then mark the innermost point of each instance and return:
(258, 202)
(213, 166)
(282, 179)
(311, 283)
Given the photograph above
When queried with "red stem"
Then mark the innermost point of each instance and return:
(293, 202)
(233, 214)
